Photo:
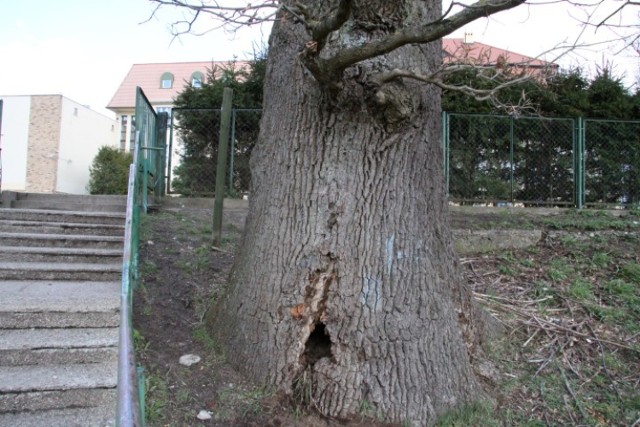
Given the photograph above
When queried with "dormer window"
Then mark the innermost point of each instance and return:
(196, 79)
(166, 81)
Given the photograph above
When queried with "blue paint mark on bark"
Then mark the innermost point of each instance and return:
(371, 295)
(389, 252)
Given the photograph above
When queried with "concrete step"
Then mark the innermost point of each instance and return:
(40, 227)
(56, 255)
(50, 304)
(101, 416)
(30, 378)
(59, 320)
(47, 346)
(46, 400)
(72, 198)
(58, 356)
(61, 240)
(60, 271)
(65, 206)
(68, 216)
(66, 338)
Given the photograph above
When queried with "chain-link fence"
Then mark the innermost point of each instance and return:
(612, 162)
(541, 161)
(194, 142)
(488, 159)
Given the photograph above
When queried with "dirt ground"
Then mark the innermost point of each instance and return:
(181, 275)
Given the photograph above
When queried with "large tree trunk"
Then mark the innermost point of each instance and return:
(346, 290)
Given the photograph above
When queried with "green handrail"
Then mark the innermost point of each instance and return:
(146, 176)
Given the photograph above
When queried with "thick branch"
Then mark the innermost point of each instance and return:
(418, 34)
(321, 30)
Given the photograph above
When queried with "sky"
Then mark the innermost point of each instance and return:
(83, 49)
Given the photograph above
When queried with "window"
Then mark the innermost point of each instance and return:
(196, 79)
(132, 136)
(166, 81)
(123, 132)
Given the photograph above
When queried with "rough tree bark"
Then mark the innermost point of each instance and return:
(346, 288)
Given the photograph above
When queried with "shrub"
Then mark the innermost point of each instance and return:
(109, 172)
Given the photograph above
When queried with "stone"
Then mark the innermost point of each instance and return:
(189, 359)
(204, 415)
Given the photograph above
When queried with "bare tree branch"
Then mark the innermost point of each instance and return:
(320, 30)
(232, 14)
(327, 65)
(502, 77)
(425, 33)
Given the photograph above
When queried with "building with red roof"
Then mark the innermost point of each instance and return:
(465, 50)
(162, 82)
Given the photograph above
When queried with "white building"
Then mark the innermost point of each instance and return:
(48, 143)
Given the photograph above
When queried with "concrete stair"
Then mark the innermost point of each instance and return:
(65, 202)
(60, 280)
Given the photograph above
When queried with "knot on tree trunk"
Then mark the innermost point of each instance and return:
(394, 105)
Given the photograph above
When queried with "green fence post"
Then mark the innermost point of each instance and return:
(445, 150)
(232, 152)
(511, 138)
(579, 172)
(161, 143)
(169, 151)
(225, 124)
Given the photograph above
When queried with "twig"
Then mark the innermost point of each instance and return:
(549, 359)
(547, 325)
(604, 366)
(573, 395)
(571, 368)
(632, 337)
(526, 302)
(526, 343)
(217, 249)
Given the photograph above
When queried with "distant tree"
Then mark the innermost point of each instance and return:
(613, 147)
(109, 171)
(197, 121)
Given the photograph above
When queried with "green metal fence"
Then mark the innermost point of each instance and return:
(194, 140)
(611, 153)
(150, 151)
(146, 179)
(488, 159)
(539, 161)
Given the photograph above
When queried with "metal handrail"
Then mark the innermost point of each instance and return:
(130, 400)
(128, 409)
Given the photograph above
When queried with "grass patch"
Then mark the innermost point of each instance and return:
(202, 335)
(590, 220)
(559, 270)
(233, 402)
(157, 398)
(631, 272)
(477, 414)
(560, 366)
(581, 289)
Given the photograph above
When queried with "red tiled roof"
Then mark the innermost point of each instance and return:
(483, 54)
(148, 76)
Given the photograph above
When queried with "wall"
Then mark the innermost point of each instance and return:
(14, 139)
(82, 133)
(44, 136)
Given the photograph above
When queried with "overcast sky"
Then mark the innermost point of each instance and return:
(82, 49)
